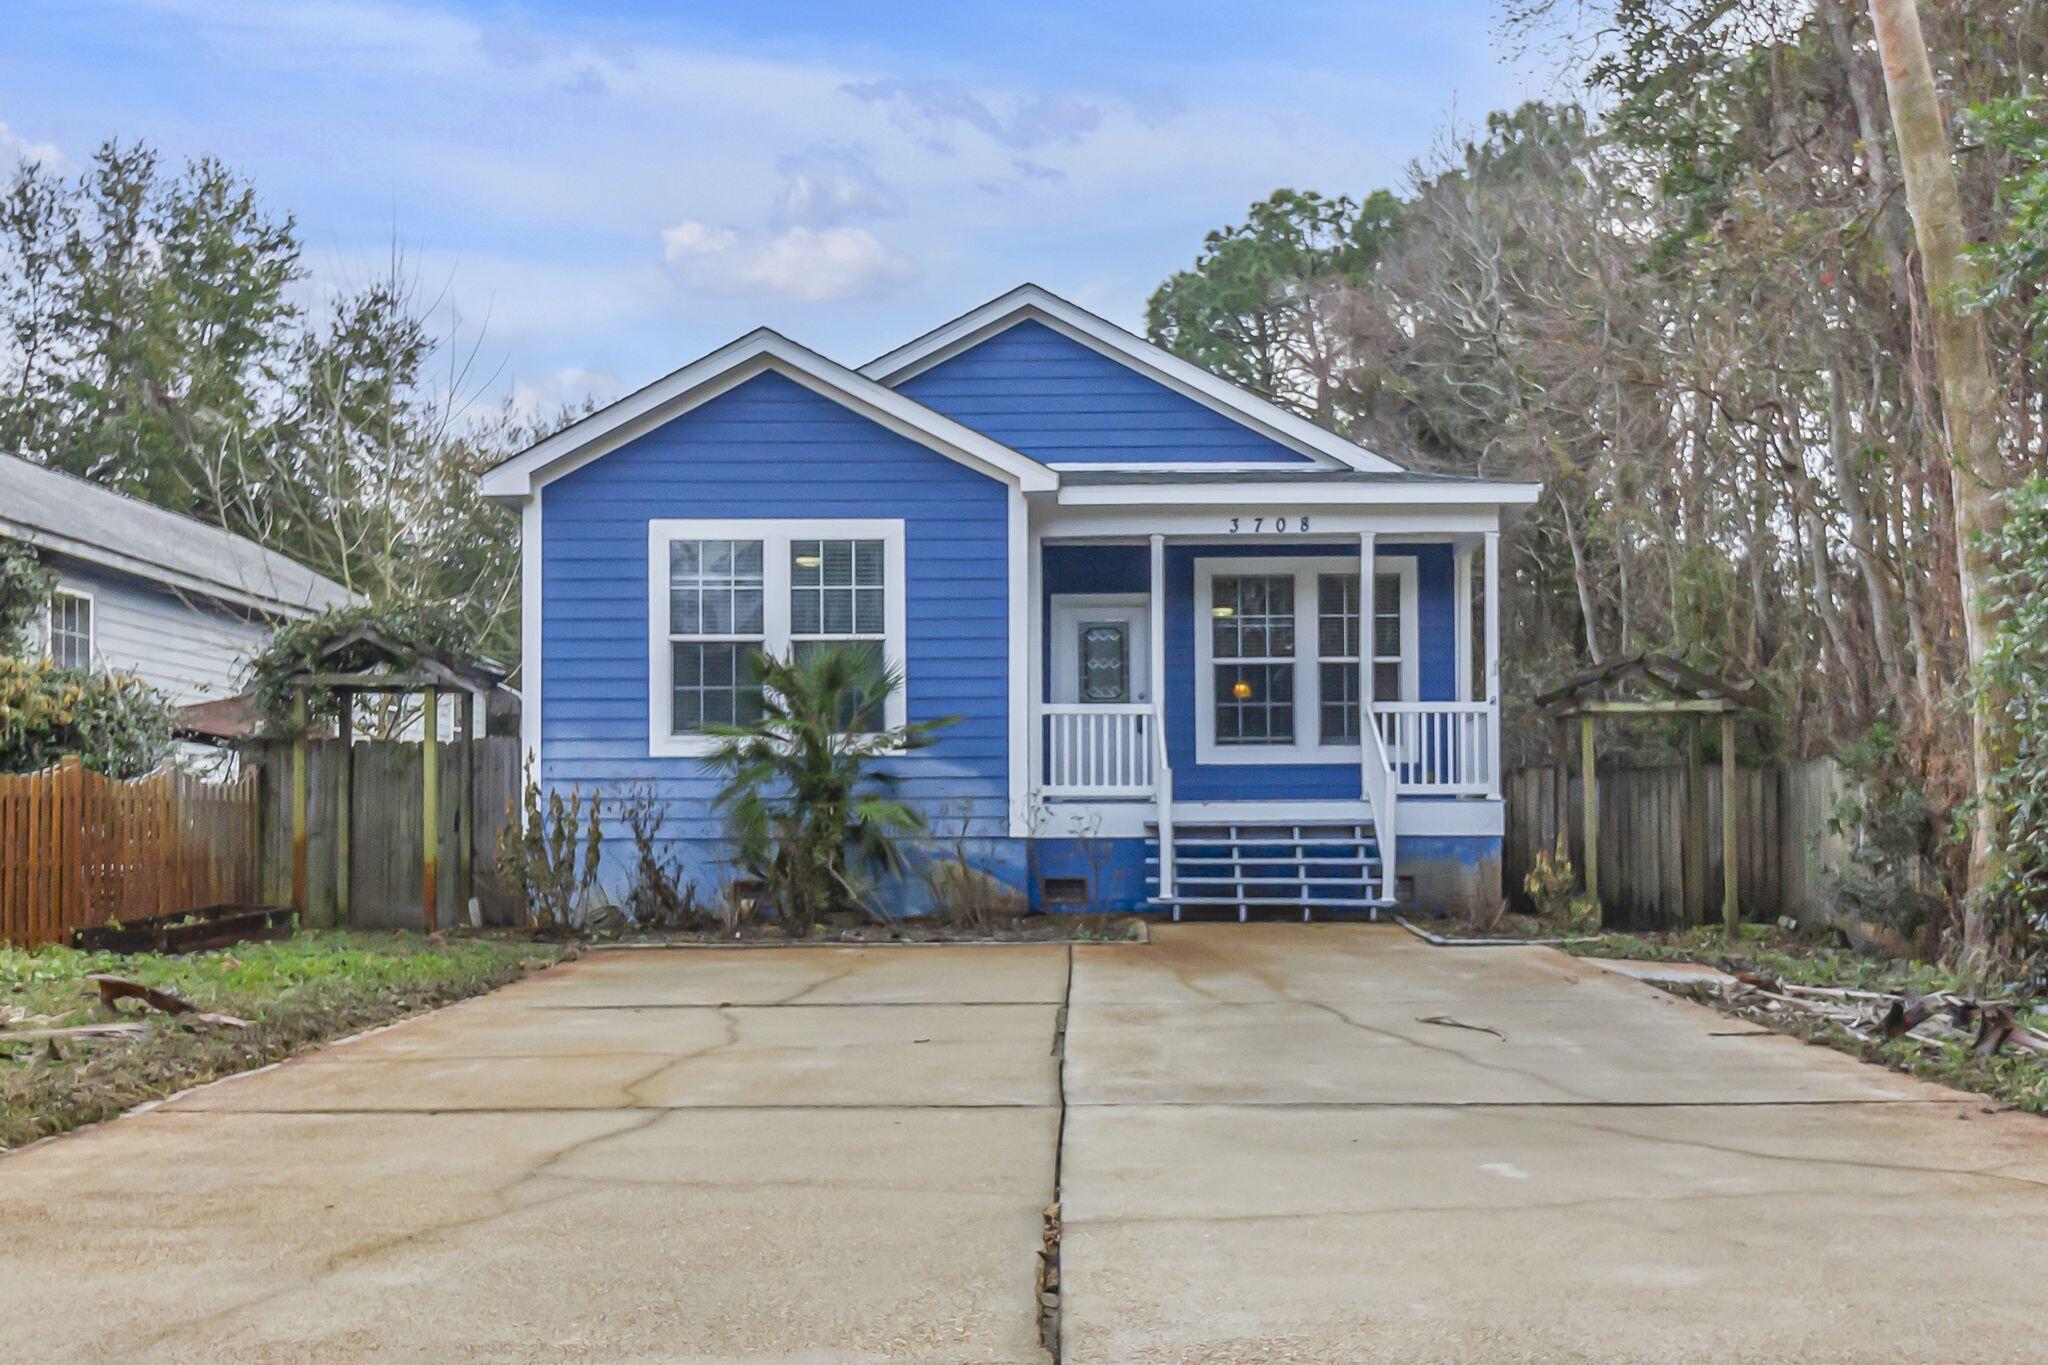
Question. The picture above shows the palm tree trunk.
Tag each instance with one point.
(1969, 398)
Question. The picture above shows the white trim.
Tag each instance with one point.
(1461, 598)
(1306, 746)
(1460, 817)
(92, 624)
(755, 353)
(1177, 466)
(1030, 302)
(1134, 608)
(1286, 499)
(775, 535)
(1131, 525)
(1025, 815)
(530, 569)
(1023, 593)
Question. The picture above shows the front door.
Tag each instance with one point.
(1100, 649)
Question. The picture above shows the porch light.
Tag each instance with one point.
(1241, 690)
(1222, 611)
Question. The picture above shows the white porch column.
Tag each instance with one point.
(1162, 775)
(1367, 548)
(1462, 595)
(1493, 662)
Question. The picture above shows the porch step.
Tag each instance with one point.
(1271, 865)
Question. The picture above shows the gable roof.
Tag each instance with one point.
(66, 515)
(758, 352)
(1030, 301)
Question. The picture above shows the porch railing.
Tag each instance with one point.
(1104, 751)
(1445, 748)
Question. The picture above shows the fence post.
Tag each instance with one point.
(344, 810)
(1591, 783)
(430, 862)
(1731, 913)
(299, 801)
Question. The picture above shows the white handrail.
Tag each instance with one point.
(1162, 796)
(1446, 748)
(1382, 793)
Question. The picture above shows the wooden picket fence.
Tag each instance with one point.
(1785, 848)
(79, 849)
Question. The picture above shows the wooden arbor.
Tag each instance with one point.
(1657, 685)
(365, 659)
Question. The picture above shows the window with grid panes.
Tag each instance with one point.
(717, 625)
(1252, 656)
(836, 600)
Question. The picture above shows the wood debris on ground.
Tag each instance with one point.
(1935, 1019)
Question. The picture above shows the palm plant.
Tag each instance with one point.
(811, 814)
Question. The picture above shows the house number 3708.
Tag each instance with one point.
(1256, 525)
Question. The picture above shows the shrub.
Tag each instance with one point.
(115, 724)
(808, 808)
(2015, 680)
(25, 587)
(1552, 883)
(548, 859)
(659, 898)
(962, 894)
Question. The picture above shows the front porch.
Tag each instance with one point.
(1219, 686)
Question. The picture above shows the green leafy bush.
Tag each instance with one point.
(25, 587)
(2016, 680)
(115, 724)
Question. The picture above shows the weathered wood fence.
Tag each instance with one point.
(1649, 837)
(385, 832)
(79, 849)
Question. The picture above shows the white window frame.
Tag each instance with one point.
(92, 624)
(1306, 746)
(775, 535)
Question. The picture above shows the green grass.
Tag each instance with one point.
(1773, 952)
(296, 993)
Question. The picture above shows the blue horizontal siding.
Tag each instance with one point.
(1436, 677)
(770, 448)
(1056, 400)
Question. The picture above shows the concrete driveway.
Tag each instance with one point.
(845, 1154)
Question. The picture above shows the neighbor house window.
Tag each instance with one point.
(71, 630)
(1252, 657)
(1279, 654)
(724, 592)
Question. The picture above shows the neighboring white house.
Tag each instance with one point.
(143, 590)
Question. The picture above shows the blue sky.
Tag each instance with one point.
(603, 191)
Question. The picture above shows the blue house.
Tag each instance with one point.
(1143, 589)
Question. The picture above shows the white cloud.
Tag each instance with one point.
(14, 148)
(806, 264)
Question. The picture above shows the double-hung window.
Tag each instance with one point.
(1337, 640)
(722, 593)
(1252, 658)
(71, 630)
(717, 626)
(1278, 655)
